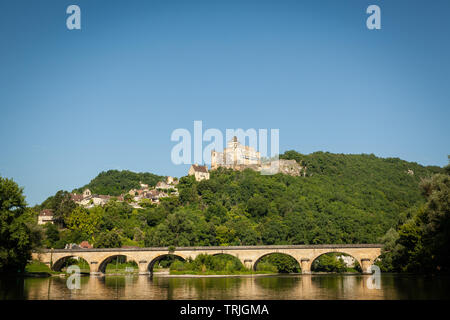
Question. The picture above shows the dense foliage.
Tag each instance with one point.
(421, 240)
(278, 262)
(115, 182)
(333, 262)
(61, 205)
(18, 232)
(204, 263)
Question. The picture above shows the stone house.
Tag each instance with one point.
(199, 172)
(45, 216)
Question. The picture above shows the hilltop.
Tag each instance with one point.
(115, 182)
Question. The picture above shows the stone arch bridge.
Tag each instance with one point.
(145, 258)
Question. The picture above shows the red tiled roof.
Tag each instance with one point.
(76, 197)
(200, 168)
(85, 245)
(46, 213)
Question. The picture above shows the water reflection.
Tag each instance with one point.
(246, 287)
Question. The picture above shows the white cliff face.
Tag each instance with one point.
(348, 260)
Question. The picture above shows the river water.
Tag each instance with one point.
(277, 287)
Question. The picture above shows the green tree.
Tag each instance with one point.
(423, 242)
(84, 221)
(16, 238)
(51, 235)
(108, 239)
(61, 204)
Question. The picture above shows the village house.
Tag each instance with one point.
(172, 180)
(199, 172)
(88, 200)
(164, 185)
(143, 186)
(161, 190)
(45, 216)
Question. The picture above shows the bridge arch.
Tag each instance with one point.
(102, 266)
(281, 253)
(62, 262)
(162, 256)
(357, 260)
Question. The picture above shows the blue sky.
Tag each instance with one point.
(108, 96)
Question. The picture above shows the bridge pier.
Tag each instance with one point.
(143, 267)
(365, 265)
(305, 264)
(94, 268)
(248, 263)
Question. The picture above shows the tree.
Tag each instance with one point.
(257, 205)
(16, 238)
(273, 230)
(108, 239)
(84, 221)
(61, 204)
(51, 235)
(423, 243)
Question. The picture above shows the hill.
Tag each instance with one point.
(115, 182)
(342, 199)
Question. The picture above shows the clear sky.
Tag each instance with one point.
(108, 96)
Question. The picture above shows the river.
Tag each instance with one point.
(277, 287)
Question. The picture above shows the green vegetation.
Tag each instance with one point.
(18, 230)
(333, 262)
(421, 240)
(278, 263)
(37, 267)
(83, 264)
(121, 265)
(205, 264)
(115, 182)
(61, 204)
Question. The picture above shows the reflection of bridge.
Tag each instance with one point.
(145, 258)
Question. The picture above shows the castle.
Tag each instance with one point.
(239, 157)
(236, 156)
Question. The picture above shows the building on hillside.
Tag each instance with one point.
(199, 172)
(164, 185)
(143, 186)
(86, 193)
(89, 200)
(45, 216)
(235, 156)
(239, 157)
(76, 197)
(172, 180)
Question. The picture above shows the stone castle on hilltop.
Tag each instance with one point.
(239, 157)
(236, 156)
